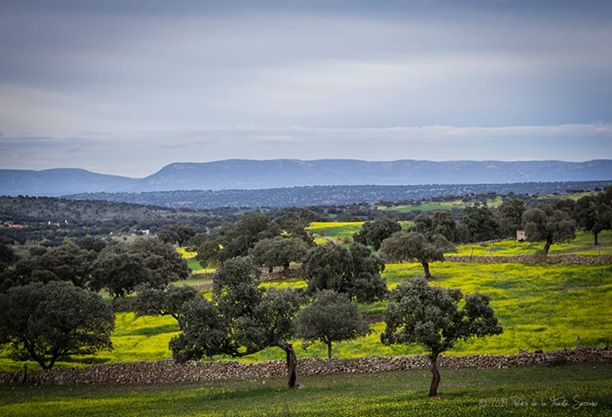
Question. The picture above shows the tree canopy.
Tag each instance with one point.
(241, 319)
(46, 322)
(374, 232)
(279, 251)
(432, 317)
(355, 271)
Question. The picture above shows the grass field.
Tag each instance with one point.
(581, 245)
(540, 306)
(338, 232)
(529, 391)
(438, 205)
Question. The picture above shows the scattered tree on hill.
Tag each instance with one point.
(66, 262)
(547, 224)
(46, 322)
(211, 251)
(406, 246)
(279, 251)
(167, 302)
(240, 320)
(355, 272)
(594, 214)
(374, 232)
(331, 317)
(480, 224)
(431, 316)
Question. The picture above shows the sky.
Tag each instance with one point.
(126, 87)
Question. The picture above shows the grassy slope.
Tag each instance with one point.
(540, 306)
(464, 392)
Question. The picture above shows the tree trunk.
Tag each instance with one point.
(426, 268)
(596, 238)
(329, 350)
(547, 247)
(270, 269)
(291, 364)
(435, 377)
(286, 270)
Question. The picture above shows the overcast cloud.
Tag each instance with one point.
(127, 86)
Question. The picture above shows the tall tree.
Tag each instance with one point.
(407, 246)
(374, 232)
(240, 320)
(547, 224)
(432, 316)
(331, 317)
(46, 322)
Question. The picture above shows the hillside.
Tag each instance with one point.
(279, 173)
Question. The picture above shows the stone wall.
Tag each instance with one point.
(168, 371)
(530, 259)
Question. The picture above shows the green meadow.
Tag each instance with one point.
(540, 306)
(572, 390)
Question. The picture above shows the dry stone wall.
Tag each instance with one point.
(530, 259)
(168, 371)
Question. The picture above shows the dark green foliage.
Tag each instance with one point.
(91, 243)
(279, 251)
(331, 317)
(166, 302)
(406, 246)
(176, 234)
(45, 322)
(161, 259)
(594, 213)
(355, 272)
(510, 215)
(432, 317)
(241, 319)
(480, 224)
(7, 256)
(548, 224)
(374, 232)
(440, 223)
(119, 271)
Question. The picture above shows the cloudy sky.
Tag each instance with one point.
(125, 86)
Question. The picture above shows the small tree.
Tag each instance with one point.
(279, 251)
(510, 215)
(332, 317)
(431, 316)
(46, 322)
(547, 224)
(374, 232)
(406, 246)
(167, 302)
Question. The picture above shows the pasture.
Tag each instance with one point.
(540, 306)
(573, 390)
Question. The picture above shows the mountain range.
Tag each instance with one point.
(279, 173)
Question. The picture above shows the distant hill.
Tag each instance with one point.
(252, 174)
(331, 194)
(54, 182)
